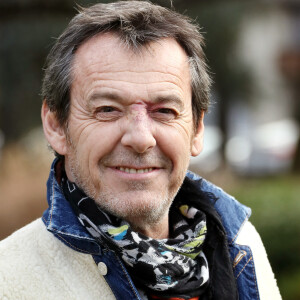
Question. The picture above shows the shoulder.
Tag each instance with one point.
(245, 245)
(266, 281)
(27, 244)
(23, 260)
(22, 240)
(34, 264)
(16, 252)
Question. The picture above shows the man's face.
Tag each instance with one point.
(130, 130)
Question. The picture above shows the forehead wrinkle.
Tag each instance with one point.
(117, 93)
(109, 76)
(146, 84)
(171, 74)
(112, 43)
(101, 84)
(109, 68)
(154, 99)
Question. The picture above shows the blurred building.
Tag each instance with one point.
(262, 125)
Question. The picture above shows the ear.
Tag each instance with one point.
(53, 131)
(197, 142)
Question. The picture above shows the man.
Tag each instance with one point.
(125, 92)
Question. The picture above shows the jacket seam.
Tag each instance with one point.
(244, 267)
(254, 276)
(107, 281)
(128, 279)
(241, 226)
(71, 235)
(52, 201)
(71, 246)
(250, 260)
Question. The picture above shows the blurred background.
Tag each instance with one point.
(252, 147)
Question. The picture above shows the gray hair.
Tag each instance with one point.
(136, 23)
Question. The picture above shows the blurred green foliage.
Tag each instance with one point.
(276, 213)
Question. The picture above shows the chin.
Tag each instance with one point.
(131, 209)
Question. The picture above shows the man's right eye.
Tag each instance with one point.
(106, 109)
(107, 113)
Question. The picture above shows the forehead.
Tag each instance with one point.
(107, 52)
(155, 71)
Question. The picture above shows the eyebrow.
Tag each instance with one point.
(160, 99)
(171, 98)
(104, 95)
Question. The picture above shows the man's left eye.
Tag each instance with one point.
(166, 111)
(165, 114)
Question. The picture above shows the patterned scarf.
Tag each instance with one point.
(166, 268)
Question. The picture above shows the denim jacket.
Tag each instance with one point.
(63, 223)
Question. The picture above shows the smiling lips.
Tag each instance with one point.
(134, 171)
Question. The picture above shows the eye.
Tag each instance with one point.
(166, 111)
(165, 114)
(106, 109)
(107, 113)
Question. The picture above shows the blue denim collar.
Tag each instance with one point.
(63, 223)
(232, 213)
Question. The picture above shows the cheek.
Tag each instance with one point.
(98, 140)
(176, 145)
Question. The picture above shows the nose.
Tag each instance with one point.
(138, 133)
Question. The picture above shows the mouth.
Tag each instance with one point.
(135, 171)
